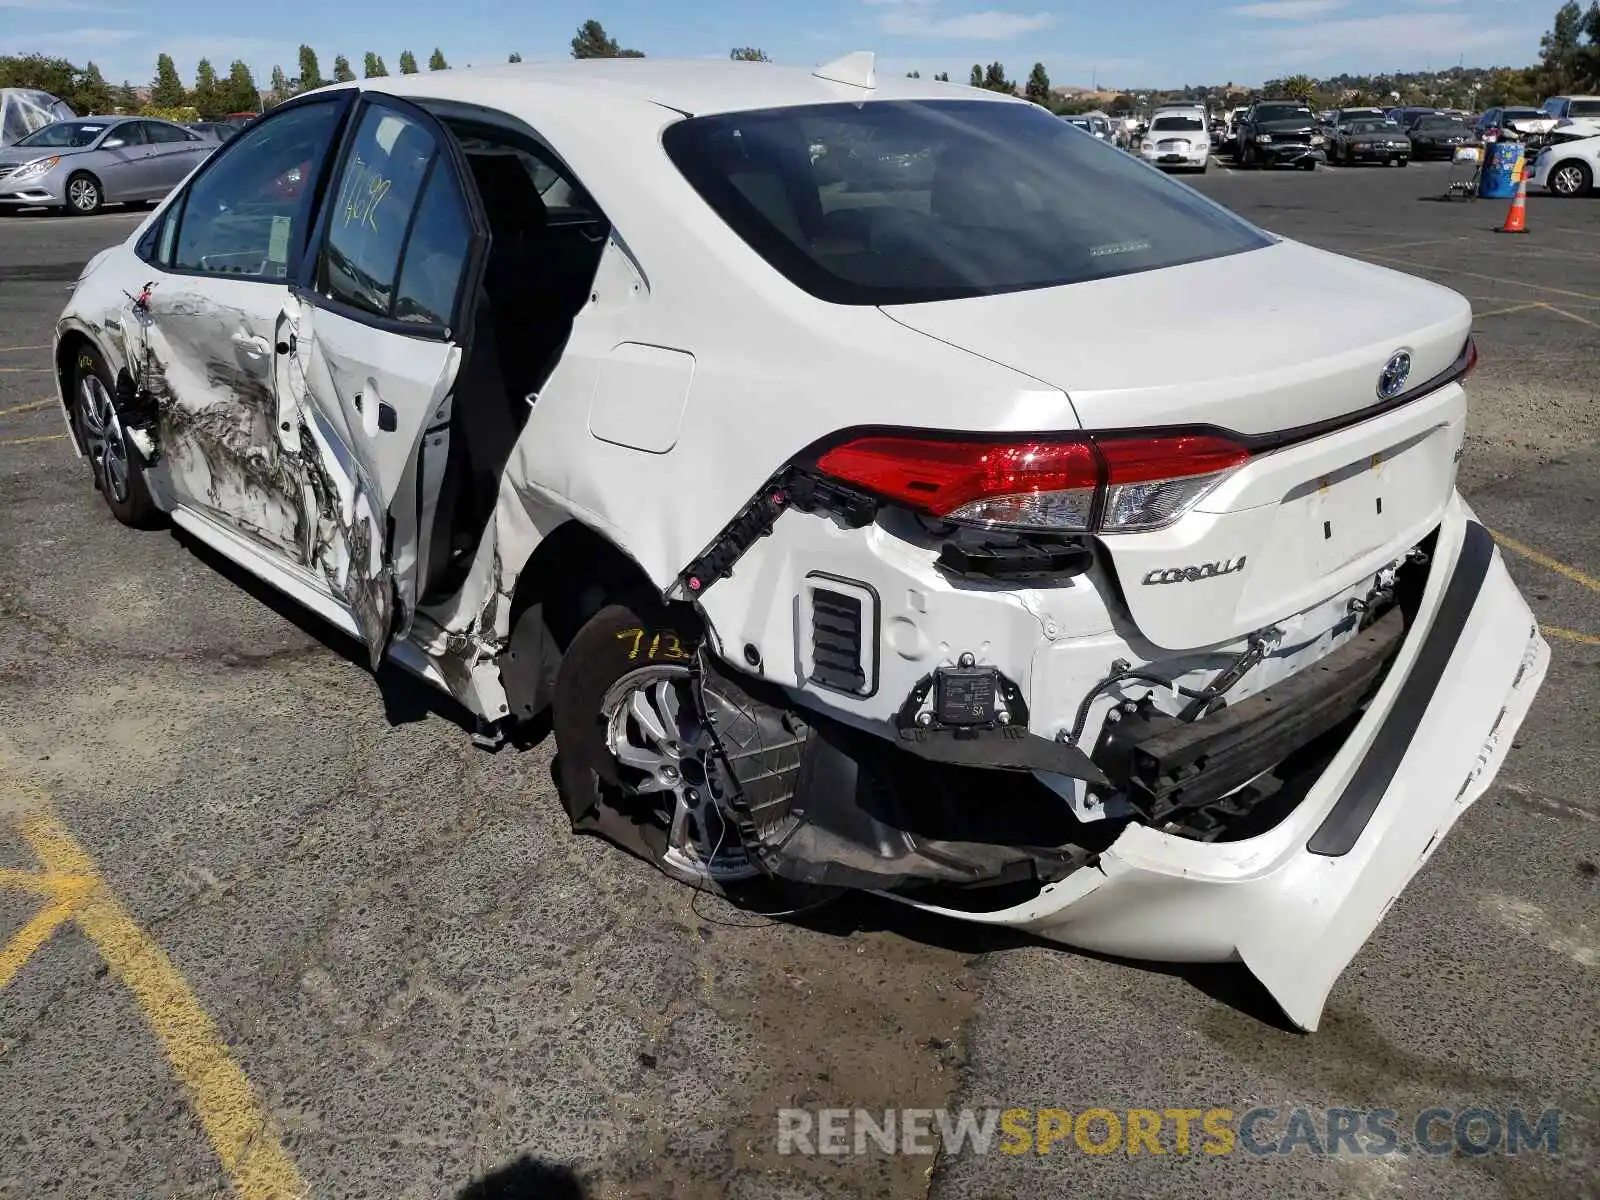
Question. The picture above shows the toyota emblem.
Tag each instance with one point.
(1395, 373)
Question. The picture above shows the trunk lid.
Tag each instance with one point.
(1256, 343)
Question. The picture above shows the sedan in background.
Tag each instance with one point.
(1370, 141)
(1568, 168)
(76, 166)
(1439, 137)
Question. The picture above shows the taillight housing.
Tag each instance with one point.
(1075, 483)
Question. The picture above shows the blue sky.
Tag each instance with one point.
(1154, 43)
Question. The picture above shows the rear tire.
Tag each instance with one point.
(118, 472)
(84, 194)
(624, 681)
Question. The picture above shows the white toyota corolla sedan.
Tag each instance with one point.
(778, 437)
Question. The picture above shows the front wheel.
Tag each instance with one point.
(1570, 179)
(118, 473)
(84, 196)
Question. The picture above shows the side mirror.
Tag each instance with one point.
(113, 143)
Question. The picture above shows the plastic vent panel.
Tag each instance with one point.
(836, 641)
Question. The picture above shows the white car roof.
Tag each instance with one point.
(694, 86)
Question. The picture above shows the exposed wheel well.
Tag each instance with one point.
(573, 574)
(67, 350)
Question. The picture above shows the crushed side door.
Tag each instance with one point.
(377, 332)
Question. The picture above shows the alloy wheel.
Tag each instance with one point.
(83, 195)
(104, 442)
(655, 732)
(1567, 180)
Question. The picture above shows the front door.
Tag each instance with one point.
(378, 330)
(129, 170)
(221, 257)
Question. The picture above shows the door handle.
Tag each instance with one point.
(388, 419)
(252, 347)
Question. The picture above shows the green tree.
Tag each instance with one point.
(54, 75)
(167, 90)
(408, 63)
(239, 93)
(125, 98)
(515, 57)
(373, 67)
(282, 88)
(994, 78)
(310, 72)
(1296, 87)
(748, 54)
(976, 78)
(592, 41)
(913, 74)
(91, 93)
(341, 69)
(942, 77)
(1037, 88)
(436, 61)
(206, 97)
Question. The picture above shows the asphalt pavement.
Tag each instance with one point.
(268, 925)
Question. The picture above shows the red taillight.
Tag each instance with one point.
(1115, 484)
(1470, 354)
(1141, 460)
(939, 477)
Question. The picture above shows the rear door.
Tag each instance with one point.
(378, 330)
(174, 152)
(125, 168)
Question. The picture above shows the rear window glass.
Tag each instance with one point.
(1584, 108)
(898, 202)
(1175, 124)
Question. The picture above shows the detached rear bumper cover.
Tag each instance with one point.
(1296, 903)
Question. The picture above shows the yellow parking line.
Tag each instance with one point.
(1570, 635)
(236, 1125)
(29, 407)
(27, 370)
(1572, 316)
(1544, 560)
(1500, 312)
(32, 935)
(48, 437)
(1406, 245)
(1538, 287)
(19, 349)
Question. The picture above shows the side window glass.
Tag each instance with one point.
(130, 133)
(164, 133)
(378, 186)
(243, 214)
(436, 256)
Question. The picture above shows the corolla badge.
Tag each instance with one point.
(1392, 381)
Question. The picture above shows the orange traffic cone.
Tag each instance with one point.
(1517, 215)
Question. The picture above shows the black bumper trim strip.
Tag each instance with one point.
(1340, 829)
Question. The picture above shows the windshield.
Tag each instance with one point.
(66, 134)
(1521, 114)
(1441, 123)
(898, 202)
(1584, 108)
(1371, 127)
(1170, 124)
(1281, 112)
